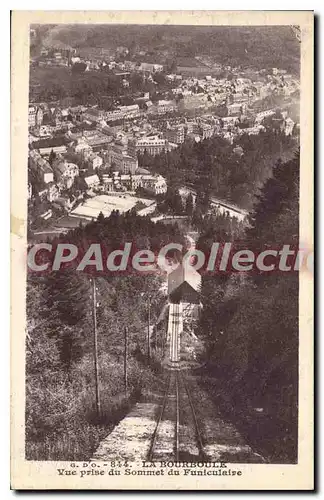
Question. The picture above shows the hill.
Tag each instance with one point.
(255, 46)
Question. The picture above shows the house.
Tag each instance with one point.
(252, 130)
(47, 214)
(35, 116)
(45, 131)
(131, 111)
(62, 203)
(235, 109)
(108, 182)
(53, 192)
(184, 284)
(155, 184)
(55, 149)
(39, 116)
(289, 126)
(114, 115)
(129, 164)
(82, 147)
(56, 115)
(192, 101)
(93, 115)
(92, 181)
(30, 191)
(95, 161)
(96, 140)
(263, 114)
(175, 134)
(229, 122)
(41, 167)
(150, 67)
(203, 130)
(32, 116)
(163, 107)
(65, 172)
(65, 115)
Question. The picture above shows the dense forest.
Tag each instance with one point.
(61, 421)
(213, 165)
(90, 88)
(250, 321)
(253, 46)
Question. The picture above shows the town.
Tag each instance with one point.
(85, 158)
(163, 186)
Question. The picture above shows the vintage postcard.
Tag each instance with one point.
(162, 250)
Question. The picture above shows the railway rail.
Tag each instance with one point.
(177, 435)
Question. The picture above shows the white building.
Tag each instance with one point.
(65, 172)
(92, 181)
(156, 184)
(152, 145)
(95, 161)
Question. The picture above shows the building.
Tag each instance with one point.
(45, 131)
(96, 139)
(230, 122)
(193, 101)
(184, 284)
(204, 130)
(252, 130)
(35, 116)
(30, 191)
(150, 67)
(55, 149)
(41, 167)
(154, 184)
(93, 115)
(120, 159)
(289, 126)
(52, 193)
(62, 203)
(152, 145)
(83, 147)
(163, 107)
(236, 109)
(65, 172)
(263, 114)
(92, 181)
(175, 134)
(56, 116)
(116, 114)
(131, 111)
(95, 161)
(129, 164)
(108, 183)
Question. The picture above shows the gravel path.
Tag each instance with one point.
(131, 438)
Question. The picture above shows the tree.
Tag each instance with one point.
(52, 157)
(189, 205)
(250, 321)
(67, 297)
(79, 67)
(100, 217)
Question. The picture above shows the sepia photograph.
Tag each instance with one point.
(163, 247)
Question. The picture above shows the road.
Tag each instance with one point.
(222, 205)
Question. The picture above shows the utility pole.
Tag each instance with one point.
(95, 348)
(125, 360)
(148, 331)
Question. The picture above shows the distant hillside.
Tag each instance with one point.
(256, 46)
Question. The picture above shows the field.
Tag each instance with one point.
(106, 204)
